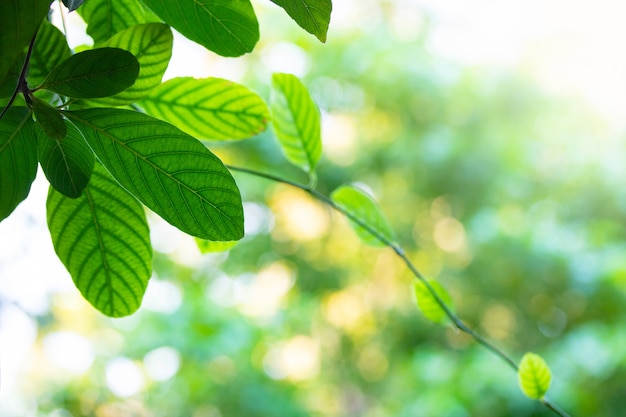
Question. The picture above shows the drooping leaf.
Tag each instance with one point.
(67, 163)
(103, 240)
(152, 44)
(49, 119)
(311, 15)
(427, 303)
(296, 120)
(534, 376)
(210, 108)
(18, 158)
(209, 246)
(19, 20)
(95, 73)
(167, 170)
(73, 4)
(50, 49)
(228, 28)
(362, 206)
(106, 18)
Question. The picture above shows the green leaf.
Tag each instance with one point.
(228, 28)
(427, 303)
(152, 44)
(312, 15)
(363, 207)
(67, 163)
(296, 121)
(208, 246)
(50, 49)
(49, 118)
(18, 158)
(103, 240)
(210, 108)
(9, 85)
(73, 4)
(534, 376)
(19, 20)
(105, 18)
(95, 73)
(167, 170)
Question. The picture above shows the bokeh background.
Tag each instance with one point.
(492, 135)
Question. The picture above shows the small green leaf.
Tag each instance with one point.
(363, 207)
(296, 121)
(312, 15)
(427, 304)
(210, 108)
(228, 28)
(73, 4)
(534, 376)
(18, 158)
(50, 49)
(95, 73)
(152, 44)
(49, 119)
(105, 18)
(167, 170)
(209, 246)
(19, 20)
(67, 163)
(103, 240)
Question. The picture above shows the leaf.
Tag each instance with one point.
(534, 376)
(103, 240)
(50, 49)
(105, 18)
(9, 85)
(296, 121)
(210, 108)
(152, 44)
(49, 119)
(167, 170)
(67, 163)
(363, 207)
(208, 246)
(427, 303)
(73, 4)
(312, 15)
(95, 73)
(19, 20)
(228, 28)
(18, 158)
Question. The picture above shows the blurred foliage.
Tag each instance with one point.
(509, 197)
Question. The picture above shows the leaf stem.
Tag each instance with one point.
(22, 86)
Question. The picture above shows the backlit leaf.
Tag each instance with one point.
(427, 304)
(18, 158)
(228, 28)
(49, 119)
(296, 120)
(363, 207)
(534, 376)
(50, 49)
(312, 15)
(95, 73)
(152, 44)
(105, 18)
(167, 170)
(209, 246)
(103, 240)
(210, 108)
(67, 163)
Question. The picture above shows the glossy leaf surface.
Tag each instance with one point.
(103, 240)
(73, 4)
(49, 119)
(296, 120)
(534, 376)
(427, 303)
(67, 163)
(210, 108)
(362, 206)
(18, 158)
(50, 49)
(228, 28)
(167, 170)
(106, 18)
(312, 15)
(94, 73)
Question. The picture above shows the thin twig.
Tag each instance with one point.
(22, 86)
